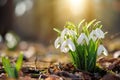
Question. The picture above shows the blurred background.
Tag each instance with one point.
(34, 20)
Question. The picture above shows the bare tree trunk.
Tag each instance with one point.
(6, 16)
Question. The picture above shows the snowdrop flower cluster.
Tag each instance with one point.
(85, 44)
(67, 36)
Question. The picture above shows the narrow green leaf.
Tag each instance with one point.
(57, 30)
(8, 67)
(19, 62)
(6, 62)
(91, 55)
(81, 22)
(97, 23)
(100, 26)
(90, 23)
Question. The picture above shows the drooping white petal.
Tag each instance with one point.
(101, 49)
(64, 47)
(71, 45)
(93, 35)
(67, 45)
(82, 38)
(100, 34)
(57, 42)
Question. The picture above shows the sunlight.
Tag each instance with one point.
(77, 6)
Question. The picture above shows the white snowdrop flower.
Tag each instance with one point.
(82, 38)
(101, 49)
(57, 42)
(64, 32)
(99, 33)
(93, 35)
(67, 32)
(72, 33)
(67, 45)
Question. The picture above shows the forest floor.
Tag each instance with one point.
(47, 63)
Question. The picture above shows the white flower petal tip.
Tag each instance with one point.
(57, 42)
(64, 48)
(101, 49)
(100, 34)
(82, 38)
(71, 45)
(67, 45)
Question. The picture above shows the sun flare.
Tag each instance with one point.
(77, 6)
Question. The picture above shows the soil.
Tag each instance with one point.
(48, 64)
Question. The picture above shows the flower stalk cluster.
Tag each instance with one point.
(83, 42)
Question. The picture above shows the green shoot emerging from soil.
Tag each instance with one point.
(83, 42)
(12, 70)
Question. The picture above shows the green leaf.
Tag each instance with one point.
(81, 22)
(19, 62)
(14, 72)
(6, 64)
(97, 23)
(70, 25)
(91, 54)
(100, 26)
(57, 30)
(8, 68)
(90, 23)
